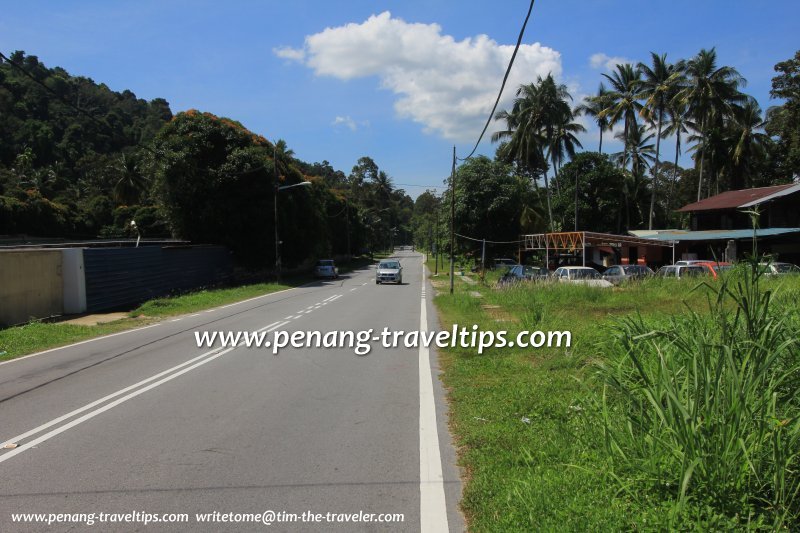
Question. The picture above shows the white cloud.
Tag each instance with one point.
(345, 121)
(287, 52)
(600, 60)
(448, 86)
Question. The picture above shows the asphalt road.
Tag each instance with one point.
(144, 421)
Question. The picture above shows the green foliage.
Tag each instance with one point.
(705, 407)
(600, 205)
(783, 121)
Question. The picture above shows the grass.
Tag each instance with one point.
(528, 422)
(37, 336)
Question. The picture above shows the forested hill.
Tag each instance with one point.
(68, 147)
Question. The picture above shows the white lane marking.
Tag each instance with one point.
(364, 283)
(176, 320)
(194, 315)
(273, 326)
(432, 505)
(104, 399)
(329, 298)
(270, 325)
(105, 408)
(290, 317)
(354, 288)
(146, 327)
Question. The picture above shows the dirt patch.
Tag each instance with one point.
(93, 320)
(498, 314)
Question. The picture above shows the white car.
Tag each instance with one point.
(581, 275)
(778, 269)
(326, 269)
(681, 271)
(389, 271)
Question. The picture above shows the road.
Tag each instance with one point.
(145, 421)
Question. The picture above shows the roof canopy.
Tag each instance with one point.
(577, 240)
(741, 199)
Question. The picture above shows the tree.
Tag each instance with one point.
(623, 101)
(657, 87)
(640, 154)
(597, 182)
(710, 93)
(783, 122)
(593, 106)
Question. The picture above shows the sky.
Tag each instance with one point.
(402, 82)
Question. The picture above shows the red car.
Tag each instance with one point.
(715, 267)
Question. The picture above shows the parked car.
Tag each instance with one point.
(582, 275)
(503, 262)
(389, 271)
(779, 269)
(519, 273)
(690, 262)
(326, 268)
(618, 273)
(681, 271)
(715, 267)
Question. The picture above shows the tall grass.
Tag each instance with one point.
(703, 407)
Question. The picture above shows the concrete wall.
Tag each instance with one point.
(31, 285)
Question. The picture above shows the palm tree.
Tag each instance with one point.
(748, 143)
(678, 126)
(593, 106)
(639, 154)
(657, 86)
(710, 95)
(131, 183)
(623, 101)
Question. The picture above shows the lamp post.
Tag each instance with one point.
(277, 240)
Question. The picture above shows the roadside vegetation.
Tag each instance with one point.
(675, 408)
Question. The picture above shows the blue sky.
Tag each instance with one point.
(399, 81)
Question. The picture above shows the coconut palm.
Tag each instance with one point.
(640, 154)
(593, 106)
(131, 183)
(748, 143)
(623, 101)
(657, 87)
(710, 93)
(678, 126)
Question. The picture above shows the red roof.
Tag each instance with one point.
(735, 199)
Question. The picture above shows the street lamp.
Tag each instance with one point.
(277, 240)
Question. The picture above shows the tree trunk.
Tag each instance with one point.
(655, 169)
(702, 162)
(600, 150)
(674, 172)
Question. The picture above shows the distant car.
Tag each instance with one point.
(519, 273)
(715, 268)
(681, 271)
(581, 275)
(618, 273)
(389, 271)
(503, 262)
(779, 269)
(326, 268)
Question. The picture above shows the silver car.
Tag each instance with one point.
(326, 268)
(618, 273)
(389, 271)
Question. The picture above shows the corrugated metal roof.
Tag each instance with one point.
(719, 234)
(742, 198)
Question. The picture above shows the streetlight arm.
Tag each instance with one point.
(301, 184)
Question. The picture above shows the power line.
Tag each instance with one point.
(486, 240)
(505, 78)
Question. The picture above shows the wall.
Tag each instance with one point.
(31, 285)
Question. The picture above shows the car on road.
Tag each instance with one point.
(389, 271)
(779, 269)
(580, 275)
(681, 271)
(616, 274)
(519, 273)
(326, 268)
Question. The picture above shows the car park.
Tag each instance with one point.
(681, 271)
(779, 269)
(389, 271)
(715, 268)
(520, 273)
(616, 274)
(326, 268)
(580, 275)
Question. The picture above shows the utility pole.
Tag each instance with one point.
(436, 256)
(452, 219)
(277, 241)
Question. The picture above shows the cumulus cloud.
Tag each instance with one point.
(602, 61)
(287, 52)
(345, 121)
(448, 86)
